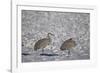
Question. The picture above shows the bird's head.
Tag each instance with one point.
(50, 34)
(71, 39)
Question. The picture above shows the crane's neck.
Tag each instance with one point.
(49, 38)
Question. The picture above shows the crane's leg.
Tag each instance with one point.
(69, 54)
(51, 49)
(42, 50)
(63, 53)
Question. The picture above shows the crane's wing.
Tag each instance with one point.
(42, 43)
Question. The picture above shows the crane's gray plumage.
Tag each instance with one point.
(42, 43)
(67, 45)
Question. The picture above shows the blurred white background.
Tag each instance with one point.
(5, 34)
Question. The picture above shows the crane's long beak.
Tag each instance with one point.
(52, 34)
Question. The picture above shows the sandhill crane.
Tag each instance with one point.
(42, 43)
(67, 45)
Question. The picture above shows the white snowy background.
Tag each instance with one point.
(64, 25)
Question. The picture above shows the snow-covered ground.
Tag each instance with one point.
(64, 25)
